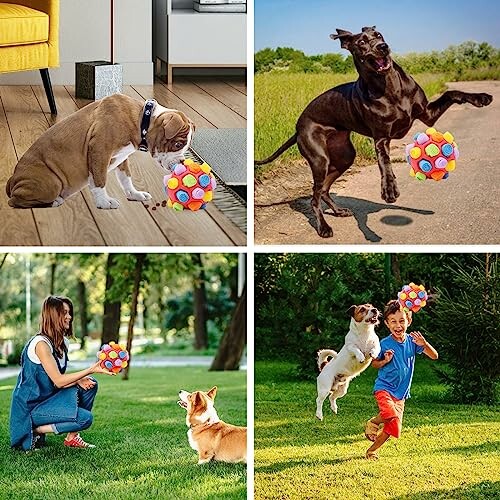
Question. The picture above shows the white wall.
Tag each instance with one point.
(84, 35)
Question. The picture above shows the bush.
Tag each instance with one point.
(14, 358)
(468, 319)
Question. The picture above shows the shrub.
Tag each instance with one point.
(468, 321)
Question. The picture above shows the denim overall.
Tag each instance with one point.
(37, 401)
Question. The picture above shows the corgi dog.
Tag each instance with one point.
(212, 438)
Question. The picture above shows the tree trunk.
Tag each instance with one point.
(139, 265)
(233, 341)
(82, 307)
(53, 267)
(111, 317)
(200, 305)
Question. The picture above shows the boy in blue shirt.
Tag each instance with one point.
(395, 364)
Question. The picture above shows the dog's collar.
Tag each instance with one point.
(146, 119)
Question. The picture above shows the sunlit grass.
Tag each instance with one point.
(445, 451)
(142, 447)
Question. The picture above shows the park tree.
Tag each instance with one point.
(112, 304)
(200, 303)
(233, 341)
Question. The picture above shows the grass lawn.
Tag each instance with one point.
(142, 447)
(445, 450)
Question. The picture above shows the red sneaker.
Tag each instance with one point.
(77, 442)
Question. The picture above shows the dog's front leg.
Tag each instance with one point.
(98, 163)
(356, 353)
(125, 180)
(436, 108)
(390, 191)
(205, 456)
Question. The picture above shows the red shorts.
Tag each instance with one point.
(391, 410)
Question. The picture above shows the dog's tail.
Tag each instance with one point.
(278, 152)
(325, 356)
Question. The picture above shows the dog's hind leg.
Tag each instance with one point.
(339, 391)
(341, 154)
(312, 146)
(322, 395)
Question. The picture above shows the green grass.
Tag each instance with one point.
(280, 98)
(142, 447)
(445, 450)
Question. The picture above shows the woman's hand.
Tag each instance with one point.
(86, 383)
(97, 368)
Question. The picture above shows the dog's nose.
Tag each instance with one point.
(383, 47)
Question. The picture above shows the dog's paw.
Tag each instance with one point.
(360, 357)
(58, 201)
(325, 231)
(334, 408)
(390, 191)
(319, 416)
(107, 203)
(138, 196)
(343, 212)
(481, 99)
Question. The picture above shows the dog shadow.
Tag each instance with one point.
(361, 210)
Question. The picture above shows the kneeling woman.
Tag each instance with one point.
(46, 399)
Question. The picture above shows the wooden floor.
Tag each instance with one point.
(24, 116)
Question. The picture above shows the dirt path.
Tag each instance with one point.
(463, 209)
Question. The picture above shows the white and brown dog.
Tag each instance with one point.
(361, 346)
(81, 149)
(212, 438)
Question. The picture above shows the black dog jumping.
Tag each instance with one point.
(382, 104)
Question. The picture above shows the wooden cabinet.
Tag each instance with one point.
(186, 38)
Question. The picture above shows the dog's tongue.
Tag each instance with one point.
(380, 63)
(182, 404)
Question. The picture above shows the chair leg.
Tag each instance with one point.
(48, 90)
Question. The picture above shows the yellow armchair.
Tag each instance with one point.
(29, 39)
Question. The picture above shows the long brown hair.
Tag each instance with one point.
(52, 321)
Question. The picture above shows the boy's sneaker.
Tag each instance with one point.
(77, 442)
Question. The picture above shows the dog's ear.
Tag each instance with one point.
(212, 392)
(344, 36)
(368, 28)
(174, 123)
(351, 310)
(166, 128)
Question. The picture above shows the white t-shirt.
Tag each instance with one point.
(40, 338)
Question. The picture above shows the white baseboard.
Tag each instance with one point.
(140, 73)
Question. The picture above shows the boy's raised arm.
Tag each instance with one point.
(419, 339)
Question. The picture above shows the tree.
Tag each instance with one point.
(82, 303)
(468, 320)
(140, 259)
(233, 342)
(200, 304)
(112, 306)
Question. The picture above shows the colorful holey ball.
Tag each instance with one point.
(432, 155)
(412, 297)
(114, 357)
(190, 185)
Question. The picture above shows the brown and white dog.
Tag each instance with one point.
(81, 149)
(361, 346)
(212, 438)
